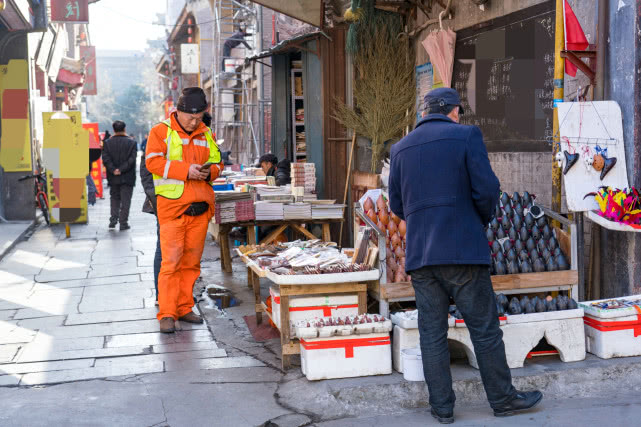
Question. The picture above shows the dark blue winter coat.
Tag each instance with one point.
(442, 184)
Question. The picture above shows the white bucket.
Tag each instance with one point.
(230, 66)
(412, 364)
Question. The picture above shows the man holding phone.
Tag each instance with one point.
(184, 159)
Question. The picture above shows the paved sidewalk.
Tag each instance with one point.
(83, 308)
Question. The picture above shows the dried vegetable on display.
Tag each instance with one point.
(342, 326)
(302, 257)
(525, 305)
(616, 205)
(521, 239)
(395, 229)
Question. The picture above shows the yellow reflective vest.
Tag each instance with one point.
(173, 188)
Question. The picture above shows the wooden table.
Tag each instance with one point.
(297, 225)
(290, 345)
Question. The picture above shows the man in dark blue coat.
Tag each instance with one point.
(441, 183)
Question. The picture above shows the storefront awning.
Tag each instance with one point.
(309, 11)
(286, 45)
(15, 15)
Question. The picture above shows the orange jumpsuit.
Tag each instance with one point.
(182, 237)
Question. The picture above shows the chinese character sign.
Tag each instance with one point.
(189, 58)
(70, 11)
(88, 54)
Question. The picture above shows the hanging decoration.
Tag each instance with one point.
(616, 205)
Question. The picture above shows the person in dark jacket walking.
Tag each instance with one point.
(119, 157)
(442, 184)
(149, 206)
(237, 38)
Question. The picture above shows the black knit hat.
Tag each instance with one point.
(192, 101)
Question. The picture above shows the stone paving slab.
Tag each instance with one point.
(7, 314)
(40, 378)
(130, 289)
(9, 380)
(104, 303)
(115, 328)
(24, 368)
(83, 354)
(8, 352)
(158, 338)
(57, 310)
(163, 357)
(114, 279)
(39, 323)
(178, 347)
(223, 363)
(111, 316)
(67, 274)
(46, 343)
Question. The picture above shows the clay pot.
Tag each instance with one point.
(368, 205)
(381, 204)
(399, 276)
(402, 228)
(598, 163)
(399, 252)
(392, 227)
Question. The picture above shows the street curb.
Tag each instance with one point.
(20, 238)
(334, 399)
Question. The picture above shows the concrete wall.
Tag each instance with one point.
(16, 198)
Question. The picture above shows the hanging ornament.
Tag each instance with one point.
(602, 162)
(570, 160)
(559, 159)
(607, 167)
(598, 162)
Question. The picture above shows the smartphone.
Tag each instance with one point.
(206, 167)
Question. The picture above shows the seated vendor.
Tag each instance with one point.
(271, 167)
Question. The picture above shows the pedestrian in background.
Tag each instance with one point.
(150, 206)
(119, 158)
(441, 182)
(184, 160)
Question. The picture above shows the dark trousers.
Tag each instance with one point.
(471, 288)
(91, 190)
(226, 54)
(120, 202)
(157, 258)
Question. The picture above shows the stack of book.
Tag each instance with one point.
(304, 175)
(268, 211)
(264, 192)
(297, 211)
(323, 211)
(225, 212)
(233, 206)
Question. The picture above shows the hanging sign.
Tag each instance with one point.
(189, 58)
(76, 11)
(88, 54)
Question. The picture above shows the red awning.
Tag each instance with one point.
(70, 78)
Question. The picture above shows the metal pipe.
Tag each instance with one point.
(261, 86)
(601, 44)
(559, 76)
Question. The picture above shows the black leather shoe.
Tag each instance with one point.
(112, 224)
(523, 401)
(124, 227)
(443, 419)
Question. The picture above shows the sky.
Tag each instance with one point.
(124, 24)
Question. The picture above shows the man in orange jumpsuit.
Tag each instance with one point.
(184, 159)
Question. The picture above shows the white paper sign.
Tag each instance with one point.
(587, 128)
(189, 58)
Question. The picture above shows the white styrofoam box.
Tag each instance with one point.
(548, 315)
(310, 307)
(346, 357)
(609, 313)
(406, 320)
(460, 323)
(403, 339)
(612, 333)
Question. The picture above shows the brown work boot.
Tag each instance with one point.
(167, 325)
(191, 317)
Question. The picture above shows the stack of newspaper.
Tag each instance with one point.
(323, 211)
(298, 211)
(266, 211)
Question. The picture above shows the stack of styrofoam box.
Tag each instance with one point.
(310, 307)
(304, 175)
(612, 332)
(521, 333)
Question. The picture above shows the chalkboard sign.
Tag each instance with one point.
(504, 71)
